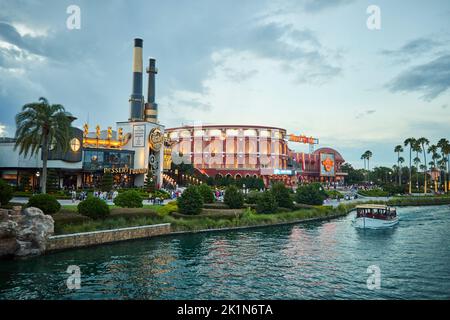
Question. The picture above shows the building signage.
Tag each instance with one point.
(155, 139)
(283, 172)
(139, 135)
(303, 139)
(327, 164)
(125, 170)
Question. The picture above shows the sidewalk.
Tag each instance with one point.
(70, 203)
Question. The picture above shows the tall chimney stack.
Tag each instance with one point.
(151, 108)
(136, 98)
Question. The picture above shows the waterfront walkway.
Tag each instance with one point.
(68, 202)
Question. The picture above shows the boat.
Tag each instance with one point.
(375, 216)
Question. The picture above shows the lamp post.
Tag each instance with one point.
(38, 174)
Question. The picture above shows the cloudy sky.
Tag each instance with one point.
(310, 66)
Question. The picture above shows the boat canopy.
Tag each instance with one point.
(372, 206)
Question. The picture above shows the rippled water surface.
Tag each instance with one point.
(326, 260)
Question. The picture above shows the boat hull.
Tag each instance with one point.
(370, 223)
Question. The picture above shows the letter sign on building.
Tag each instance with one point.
(139, 136)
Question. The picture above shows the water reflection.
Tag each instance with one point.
(304, 261)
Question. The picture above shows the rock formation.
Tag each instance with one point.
(24, 232)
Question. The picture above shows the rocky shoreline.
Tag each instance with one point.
(24, 232)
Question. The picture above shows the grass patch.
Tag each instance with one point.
(70, 222)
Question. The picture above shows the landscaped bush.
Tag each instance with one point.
(334, 194)
(47, 203)
(266, 203)
(6, 192)
(392, 189)
(282, 195)
(374, 193)
(94, 208)
(234, 198)
(168, 208)
(191, 201)
(252, 197)
(129, 199)
(312, 194)
(206, 192)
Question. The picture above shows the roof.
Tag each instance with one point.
(337, 155)
(372, 206)
(228, 126)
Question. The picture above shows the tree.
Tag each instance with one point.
(149, 183)
(107, 182)
(191, 201)
(233, 198)
(206, 193)
(312, 194)
(444, 145)
(282, 195)
(399, 149)
(424, 142)
(354, 176)
(6, 192)
(410, 142)
(366, 156)
(40, 124)
(417, 148)
(266, 203)
(435, 156)
(52, 181)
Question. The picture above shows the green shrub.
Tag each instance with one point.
(374, 193)
(107, 182)
(334, 194)
(206, 192)
(234, 198)
(94, 208)
(252, 197)
(168, 208)
(46, 202)
(392, 189)
(312, 194)
(191, 201)
(129, 199)
(6, 192)
(282, 195)
(266, 203)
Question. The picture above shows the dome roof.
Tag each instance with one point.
(337, 155)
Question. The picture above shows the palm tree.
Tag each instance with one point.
(417, 161)
(444, 145)
(410, 142)
(363, 157)
(435, 156)
(401, 160)
(368, 155)
(399, 149)
(40, 124)
(424, 142)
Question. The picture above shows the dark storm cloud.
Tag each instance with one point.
(430, 79)
(413, 48)
(90, 68)
(319, 5)
(299, 51)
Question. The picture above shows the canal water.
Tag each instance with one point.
(320, 260)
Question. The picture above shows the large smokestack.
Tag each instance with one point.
(151, 108)
(136, 98)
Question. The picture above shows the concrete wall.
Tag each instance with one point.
(107, 236)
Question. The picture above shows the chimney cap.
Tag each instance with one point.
(138, 42)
